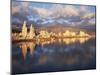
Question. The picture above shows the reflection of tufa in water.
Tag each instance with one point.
(31, 45)
(24, 47)
(73, 40)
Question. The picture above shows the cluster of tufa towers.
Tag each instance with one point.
(25, 34)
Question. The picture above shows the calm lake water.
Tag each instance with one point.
(58, 55)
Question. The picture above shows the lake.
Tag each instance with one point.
(57, 55)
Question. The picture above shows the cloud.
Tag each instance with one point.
(16, 8)
(71, 11)
(88, 16)
(25, 4)
(60, 10)
(20, 12)
(69, 14)
(57, 11)
(42, 12)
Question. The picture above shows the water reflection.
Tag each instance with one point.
(27, 46)
(31, 45)
(67, 54)
(73, 40)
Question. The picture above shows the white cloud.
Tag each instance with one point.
(88, 16)
(64, 10)
(71, 11)
(25, 4)
(57, 11)
(42, 12)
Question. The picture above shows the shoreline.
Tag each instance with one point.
(48, 39)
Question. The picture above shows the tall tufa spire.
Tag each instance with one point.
(24, 30)
(31, 32)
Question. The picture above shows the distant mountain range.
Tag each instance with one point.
(57, 28)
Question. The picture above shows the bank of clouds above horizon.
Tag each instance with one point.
(48, 13)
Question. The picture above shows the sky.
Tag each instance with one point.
(50, 13)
